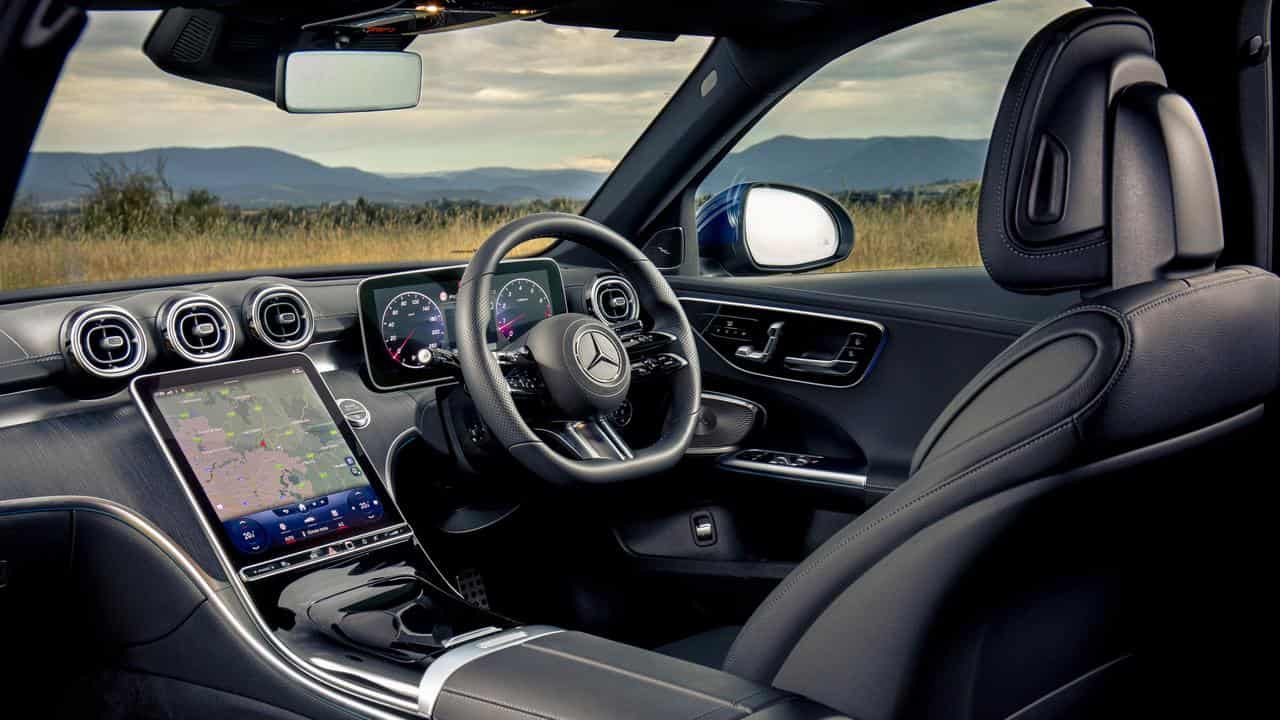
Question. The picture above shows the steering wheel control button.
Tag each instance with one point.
(661, 364)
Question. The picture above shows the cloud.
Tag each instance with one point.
(594, 163)
(529, 94)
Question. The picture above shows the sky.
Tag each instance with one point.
(529, 94)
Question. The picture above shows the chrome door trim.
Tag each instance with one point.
(871, 364)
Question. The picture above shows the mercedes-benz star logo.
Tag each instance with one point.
(598, 356)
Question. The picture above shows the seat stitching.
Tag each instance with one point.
(1006, 158)
(36, 360)
(499, 703)
(1192, 290)
(1014, 349)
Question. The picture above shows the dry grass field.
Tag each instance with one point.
(120, 236)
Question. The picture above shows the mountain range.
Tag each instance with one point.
(261, 177)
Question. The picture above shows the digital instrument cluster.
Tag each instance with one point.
(404, 316)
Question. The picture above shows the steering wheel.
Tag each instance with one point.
(579, 364)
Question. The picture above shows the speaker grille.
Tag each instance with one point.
(193, 42)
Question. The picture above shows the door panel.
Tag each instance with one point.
(940, 328)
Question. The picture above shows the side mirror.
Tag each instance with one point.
(342, 81)
(761, 228)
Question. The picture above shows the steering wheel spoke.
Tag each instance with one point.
(592, 439)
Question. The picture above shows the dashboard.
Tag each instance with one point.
(404, 316)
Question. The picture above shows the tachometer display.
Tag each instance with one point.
(518, 306)
(412, 323)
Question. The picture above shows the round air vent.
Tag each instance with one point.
(104, 341)
(198, 328)
(613, 300)
(279, 316)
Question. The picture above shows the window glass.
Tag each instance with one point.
(896, 132)
(137, 173)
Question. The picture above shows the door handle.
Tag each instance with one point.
(820, 366)
(764, 355)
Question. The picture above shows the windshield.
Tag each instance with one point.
(136, 173)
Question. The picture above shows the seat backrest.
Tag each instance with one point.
(1006, 574)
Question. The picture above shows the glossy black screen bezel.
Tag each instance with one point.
(386, 374)
(144, 388)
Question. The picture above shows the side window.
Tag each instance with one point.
(892, 135)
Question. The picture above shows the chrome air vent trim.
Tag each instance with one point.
(612, 299)
(280, 317)
(198, 328)
(104, 341)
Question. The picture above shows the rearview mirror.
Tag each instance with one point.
(343, 81)
(761, 228)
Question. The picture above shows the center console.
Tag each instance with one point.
(338, 586)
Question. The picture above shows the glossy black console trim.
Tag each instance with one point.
(297, 561)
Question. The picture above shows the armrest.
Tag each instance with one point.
(574, 676)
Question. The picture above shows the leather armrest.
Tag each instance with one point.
(573, 676)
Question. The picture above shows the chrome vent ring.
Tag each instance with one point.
(104, 341)
(279, 316)
(612, 299)
(198, 328)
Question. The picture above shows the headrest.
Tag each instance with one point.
(1097, 174)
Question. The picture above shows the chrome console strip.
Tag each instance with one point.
(440, 669)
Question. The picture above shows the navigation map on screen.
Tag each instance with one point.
(269, 457)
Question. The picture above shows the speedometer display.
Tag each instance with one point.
(405, 315)
(412, 324)
(518, 306)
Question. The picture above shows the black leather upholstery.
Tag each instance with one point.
(1011, 550)
(574, 676)
(1057, 206)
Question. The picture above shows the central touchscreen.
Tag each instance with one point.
(267, 455)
